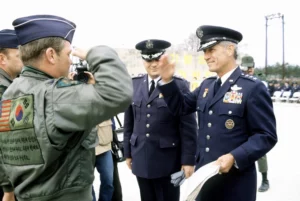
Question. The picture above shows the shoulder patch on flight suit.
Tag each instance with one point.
(65, 82)
(18, 141)
(2, 90)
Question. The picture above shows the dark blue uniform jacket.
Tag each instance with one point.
(157, 141)
(239, 120)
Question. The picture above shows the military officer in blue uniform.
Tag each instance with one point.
(237, 125)
(156, 143)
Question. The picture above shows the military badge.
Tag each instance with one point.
(200, 33)
(229, 124)
(160, 95)
(205, 92)
(235, 88)
(233, 96)
(149, 44)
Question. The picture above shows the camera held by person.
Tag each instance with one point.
(81, 67)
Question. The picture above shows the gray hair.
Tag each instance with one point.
(227, 43)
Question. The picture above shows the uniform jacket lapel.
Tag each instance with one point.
(144, 87)
(210, 92)
(226, 86)
(154, 94)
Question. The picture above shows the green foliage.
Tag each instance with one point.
(276, 72)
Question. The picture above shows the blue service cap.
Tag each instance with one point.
(152, 49)
(35, 27)
(212, 35)
(8, 39)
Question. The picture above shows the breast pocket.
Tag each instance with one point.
(136, 107)
(163, 113)
(232, 115)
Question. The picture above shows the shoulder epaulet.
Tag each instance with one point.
(249, 77)
(65, 82)
(138, 76)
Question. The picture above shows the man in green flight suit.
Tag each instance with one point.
(46, 118)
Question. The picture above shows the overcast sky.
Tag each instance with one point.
(123, 23)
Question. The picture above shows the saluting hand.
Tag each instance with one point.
(188, 170)
(226, 162)
(78, 52)
(129, 162)
(166, 68)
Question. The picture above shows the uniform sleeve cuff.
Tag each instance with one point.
(241, 158)
(188, 159)
(163, 83)
(169, 89)
(8, 188)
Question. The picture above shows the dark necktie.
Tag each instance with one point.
(152, 87)
(217, 85)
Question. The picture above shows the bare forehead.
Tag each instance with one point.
(67, 46)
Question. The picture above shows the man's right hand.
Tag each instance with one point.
(166, 68)
(9, 196)
(129, 162)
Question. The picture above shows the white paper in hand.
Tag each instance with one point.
(192, 186)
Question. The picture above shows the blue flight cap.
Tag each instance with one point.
(42, 26)
(8, 39)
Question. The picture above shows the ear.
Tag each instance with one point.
(3, 59)
(50, 55)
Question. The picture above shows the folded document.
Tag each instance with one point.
(192, 186)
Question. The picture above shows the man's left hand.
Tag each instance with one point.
(226, 162)
(188, 170)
